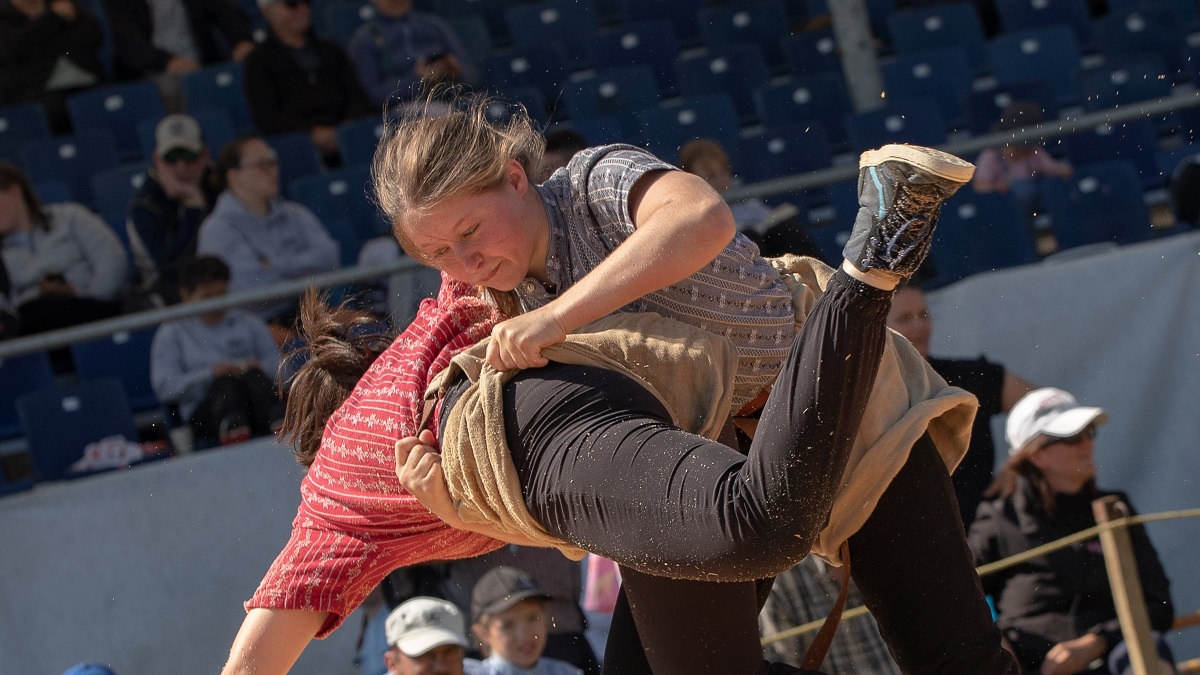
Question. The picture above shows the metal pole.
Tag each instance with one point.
(1126, 586)
(860, 66)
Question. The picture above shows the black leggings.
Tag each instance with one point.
(602, 467)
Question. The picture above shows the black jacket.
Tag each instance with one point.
(216, 26)
(283, 98)
(29, 48)
(1065, 594)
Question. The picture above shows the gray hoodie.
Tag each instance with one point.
(78, 245)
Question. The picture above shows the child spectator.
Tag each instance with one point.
(1018, 167)
(510, 624)
(215, 366)
(426, 636)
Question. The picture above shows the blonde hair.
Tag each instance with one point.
(426, 157)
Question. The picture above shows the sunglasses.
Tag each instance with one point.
(1088, 433)
(180, 155)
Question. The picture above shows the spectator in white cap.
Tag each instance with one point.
(1057, 611)
(427, 636)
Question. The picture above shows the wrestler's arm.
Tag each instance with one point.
(681, 224)
(270, 640)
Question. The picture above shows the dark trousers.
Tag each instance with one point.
(602, 467)
(51, 312)
(246, 399)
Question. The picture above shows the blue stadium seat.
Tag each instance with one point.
(297, 156)
(124, 356)
(53, 191)
(541, 66)
(953, 24)
(508, 102)
(878, 12)
(942, 74)
(1122, 82)
(681, 14)
(822, 98)
(907, 120)
(219, 86)
(648, 43)
(776, 152)
(342, 20)
(1101, 202)
(20, 123)
(599, 130)
(620, 92)
(1135, 141)
(735, 70)
(118, 108)
(71, 159)
(59, 423)
(812, 52)
(985, 107)
(978, 233)
(347, 239)
(1049, 53)
(20, 375)
(570, 23)
(831, 238)
(1189, 13)
(357, 140)
(760, 22)
(472, 32)
(1018, 15)
(1149, 28)
(492, 12)
(343, 194)
(667, 127)
(1168, 160)
(114, 189)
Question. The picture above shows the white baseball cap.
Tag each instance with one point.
(424, 623)
(1048, 412)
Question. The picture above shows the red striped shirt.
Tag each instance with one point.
(355, 523)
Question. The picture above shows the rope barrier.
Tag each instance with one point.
(1017, 560)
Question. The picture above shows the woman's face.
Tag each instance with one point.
(1068, 463)
(493, 239)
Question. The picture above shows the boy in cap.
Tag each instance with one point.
(426, 636)
(510, 624)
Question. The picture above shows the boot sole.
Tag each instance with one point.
(934, 162)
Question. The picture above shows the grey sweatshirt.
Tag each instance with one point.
(78, 245)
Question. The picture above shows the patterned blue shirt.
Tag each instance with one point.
(739, 295)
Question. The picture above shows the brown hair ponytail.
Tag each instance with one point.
(341, 343)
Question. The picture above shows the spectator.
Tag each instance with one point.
(167, 39)
(1056, 611)
(264, 239)
(166, 211)
(807, 593)
(48, 51)
(509, 620)
(296, 81)
(776, 231)
(561, 146)
(1018, 167)
(427, 636)
(996, 387)
(399, 50)
(9, 326)
(217, 367)
(65, 264)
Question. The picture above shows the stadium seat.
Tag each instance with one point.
(1101, 202)
(1049, 53)
(492, 12)
(118, 108)
(812, 52)
(507, 102)
(347, 239)
(219, 86)
(599, 130)
(906, 120)
(60, 422)
(831, 238)
(648, 43)
(1018, 15)
(215, 127)
(667, 127)
(342, 20)
(541, 66)
(776, 152)
(472, 32)
(878, 12)
(1146, 29)
(72, 160)
(822, 98)
(985, 107)
(343, 194)
(570, 23)
(357, 140)
(978, 233)
(20, 123)
(124, 356)
(1121, 82)
(20, 375)
(297, 156)
(681, 14)
(760, 22)
(941, 73)
(1135, 141)
(53, 191)
(1189, 13)
(735, 70)
(114, 189)
(954, 24)
(619, 92)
